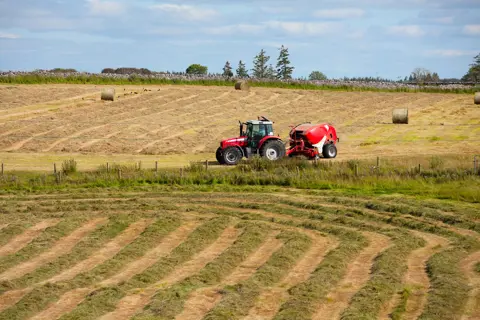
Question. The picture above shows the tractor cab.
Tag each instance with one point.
(256, 137)
(256, 131)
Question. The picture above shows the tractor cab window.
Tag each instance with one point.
(253, 130)
(269, 128)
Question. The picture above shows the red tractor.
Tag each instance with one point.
(258, 139)
(309, 140)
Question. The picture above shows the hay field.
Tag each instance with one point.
(288, 254)
(187, 122)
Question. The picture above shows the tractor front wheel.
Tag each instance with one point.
(219, 155)
(231, 156)
(273, 150)
(329, 151)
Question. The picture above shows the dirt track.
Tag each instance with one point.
(189, 120)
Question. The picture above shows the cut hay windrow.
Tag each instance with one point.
(169, 265)
(23, 239)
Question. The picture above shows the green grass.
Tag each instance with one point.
(385, 279)
(449, 287)
(166, 304)
(86, 247)
(93, 79)
(327, 211)
(402, 304)
(42, 243)
(305, 296)
(239, 298)
(440, 183)
(104, 300)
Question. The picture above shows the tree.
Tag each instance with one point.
(420, 75)
(317, 75)
(242, 70)
(197, 69)
(284, 70)
(260, 65)
(435, 77)
(270, 72)
(227, 70)
(473, 73)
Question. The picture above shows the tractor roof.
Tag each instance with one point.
(259, 122)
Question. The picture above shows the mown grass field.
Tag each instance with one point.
(193, 252)
(343, 239)
(175, 124)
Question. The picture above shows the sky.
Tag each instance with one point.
(341, 38)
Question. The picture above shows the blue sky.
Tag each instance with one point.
(383, 38)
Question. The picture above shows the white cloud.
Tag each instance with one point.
(289, 28)
(4, 35)
(450, 53)
(343, 13)
(251, 29)
(276, 10)
(305, 28)
(409, 30)
(186, 12)
(472, 29)
(105, 8)
(443, 20)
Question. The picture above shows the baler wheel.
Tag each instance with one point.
(329, 151)
(231, 156)
(273, 150)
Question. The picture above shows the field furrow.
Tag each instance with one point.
(23, 239)
(270, 300)
(358, 273)
(416, 281)
(472, 306)
(63, 246)
(170, 242)
(105, 253)
(200, 302)
(131, 304)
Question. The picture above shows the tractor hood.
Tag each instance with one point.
(237, 141)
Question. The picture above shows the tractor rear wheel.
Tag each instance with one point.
(273, 150)
(329, 151)
(219, 155)
(231, 156)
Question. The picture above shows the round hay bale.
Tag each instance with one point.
(400, 116)
(108, 94)
(476, 99)
(242, 85)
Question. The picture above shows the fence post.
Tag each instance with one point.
(119, 174)
(3, 169)
(419, 168)
(156, 166)
(378, 162)
(54, 168)
(356, 169)
(206, 164)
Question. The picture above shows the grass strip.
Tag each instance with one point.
(305, 296)
(239, 298)
(449, 286)
(86, 247)
(137, 80)
(168, 303)
(43, 242)
(12, 230)
(386, 277)
(149, 239)
(104, 300)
